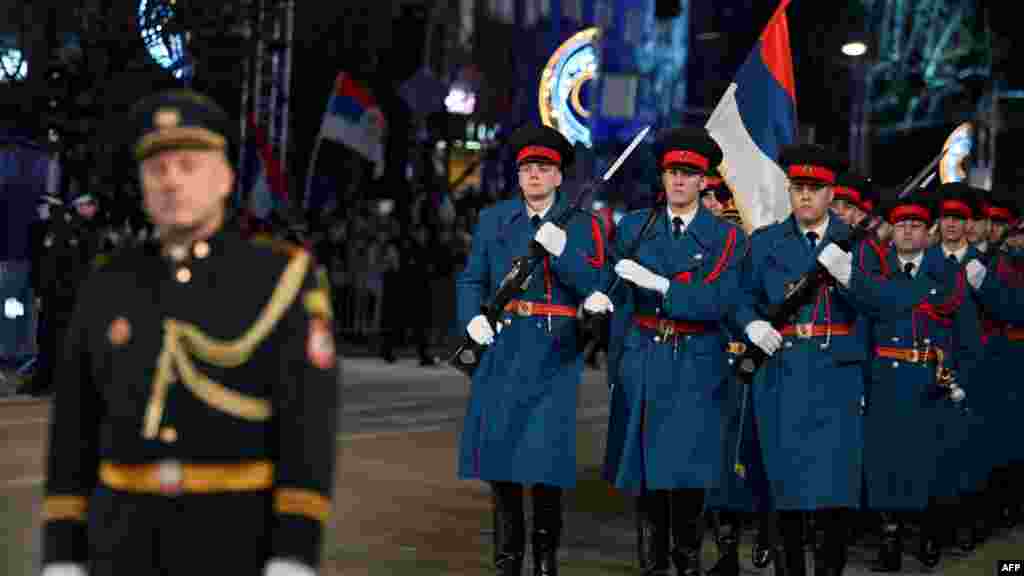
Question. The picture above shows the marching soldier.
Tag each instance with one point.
(959, 470)
(520, 423)
(807, 395)
(921, 326)
(850, 194)
(978, 225)
(665, 428)
(713, 181)
(998, 283)
(195, 409)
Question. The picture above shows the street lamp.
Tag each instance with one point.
(855, 48)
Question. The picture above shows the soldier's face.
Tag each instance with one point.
(952, 229)
(977, 231)
(185, 189)
(681, 186)
(711, 204)
(810, 201)
(910, 236)
(539, 180)
(841, 208)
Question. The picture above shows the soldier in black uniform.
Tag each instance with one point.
(193, 425)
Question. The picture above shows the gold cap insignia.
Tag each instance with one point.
(165, 118)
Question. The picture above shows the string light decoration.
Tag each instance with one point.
(165, 46)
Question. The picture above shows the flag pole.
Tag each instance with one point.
(316, 147)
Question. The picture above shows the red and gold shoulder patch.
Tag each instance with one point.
(320, 349)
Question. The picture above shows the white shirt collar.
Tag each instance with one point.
(982, 246)
(916, 260)
(686, 218)
(819, 229)
(958, 253)
(530, 213)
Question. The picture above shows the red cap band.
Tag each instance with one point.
(909, 212)
(847, 193)
(809, 172)
(956, 208)
(999, 213)
(543, 152)
(687, 157)
(712, 182)
(867, 205)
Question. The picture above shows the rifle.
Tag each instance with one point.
(802, 291)
(466, 357)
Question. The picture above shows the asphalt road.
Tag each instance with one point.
(398, 507)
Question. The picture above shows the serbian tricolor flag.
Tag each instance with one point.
(754, 119)
(263, 176)
(354, 119)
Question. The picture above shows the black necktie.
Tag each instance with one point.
(952, 259)
(812, 237)
(677, 227)
(535, 220)
(908, 268)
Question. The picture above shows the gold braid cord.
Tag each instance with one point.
(182, 339)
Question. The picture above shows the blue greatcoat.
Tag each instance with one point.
(1001, 297)
(962, 466)
(520, 423)
(665, 426)
(906, 411)
(807, 395)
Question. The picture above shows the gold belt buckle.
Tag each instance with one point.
(804, 330)
(666, 328)
(171, 477)
(915, 356)
(524, 308)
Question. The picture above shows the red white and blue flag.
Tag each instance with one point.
(263, 176)
(752, 122)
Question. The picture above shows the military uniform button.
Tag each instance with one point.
(895, 364)
(927, 341)
(168, 435)
(177, 253)
(183, 275)
(201, 250)
(787, 344)
(895, 338)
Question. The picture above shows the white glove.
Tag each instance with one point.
(279, 567)
(64, 569)
(552, 238)
(598, 303)
(764, 336)
(838, 263)
(480, 330)
(632, 272)
(976, 273)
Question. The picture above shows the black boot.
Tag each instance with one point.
(928, 551)
(763, 551)
(727, 534)
(547, 529)
(832, 558)
(653, 533)
(687, 531)
(509, 529)
(789, 558)
(890, 554)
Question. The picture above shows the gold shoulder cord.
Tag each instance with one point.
(182, 339)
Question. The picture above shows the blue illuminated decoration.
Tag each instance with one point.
(167, 50)
(13, 66)
(571, 66)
